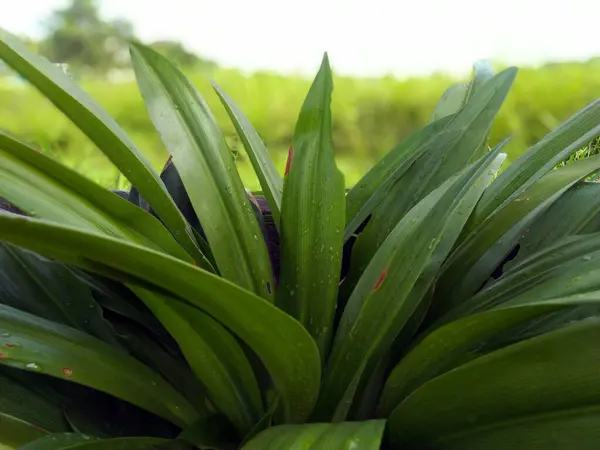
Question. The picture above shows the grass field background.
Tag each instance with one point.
(370, 116)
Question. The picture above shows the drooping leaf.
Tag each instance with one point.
(90, 118)
(207, 169)
(43, 187)
(269, 178)
(321, 436)
(37, 345)
(312, 217)
(287, 351)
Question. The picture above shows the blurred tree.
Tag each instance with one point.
(76, 35)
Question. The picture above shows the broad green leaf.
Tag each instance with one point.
(556, 146)
(473, 262)
(51, 291)
(15, 432)
(48, 194)
(269, 178)
(37, 345)
(76, 441)
(215, 357)
(375, 185)
(45, 188)
(90, 118)
(530, 383)
(581, 204)
(395, 282)
(457, 342)
(285, 348)
(22, 399)
(312, 217)
(447, 154)
(321, 436)
(541, 274)
(207, 169)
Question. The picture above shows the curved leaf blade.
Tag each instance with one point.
(15, 432)
(37, 345)
(286, 349)
(90, 118)
(207, 169)
(76, 441)
(312, 217)
(387, 295)
(321, 436)
(269, 178)
(524, 381)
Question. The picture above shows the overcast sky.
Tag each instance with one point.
(363, 37)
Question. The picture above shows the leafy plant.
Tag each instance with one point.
(437, 304)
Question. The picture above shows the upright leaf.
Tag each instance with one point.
(269, 178)
(90, 118)
(312, 217)
(447, 154)
(387, 294)
(207, 169)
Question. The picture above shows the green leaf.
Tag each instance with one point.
(457, 342)
(45, 188)
(53, 193)
(530, 384)
(473, 262)
(556, 146)
(51, 291)
(395, 282)
(215, 357)
(285, 348)
(15, 432)
(321, 436)
(269, 178)
(37, 345)
(312, 217)
(28, 400)
(90, 118)
(207, 169)
(581, 204)
(375, 185)
(76, 441)
(447, 154)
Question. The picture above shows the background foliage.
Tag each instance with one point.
(370, 115)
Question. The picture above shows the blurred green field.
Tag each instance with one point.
(370, 115)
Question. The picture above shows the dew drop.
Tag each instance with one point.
(4, 335)
(33, 366)
(587, 258)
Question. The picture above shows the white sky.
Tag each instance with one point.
(362, 37)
